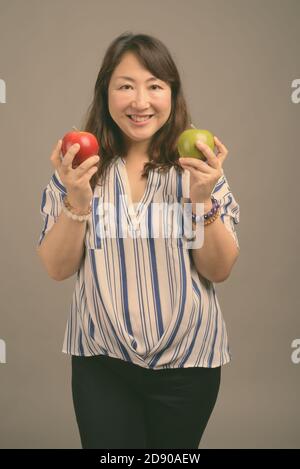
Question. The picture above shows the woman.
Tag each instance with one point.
(145, 332)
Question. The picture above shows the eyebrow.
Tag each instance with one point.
(131, 79)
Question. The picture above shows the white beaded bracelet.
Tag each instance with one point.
(72, 215)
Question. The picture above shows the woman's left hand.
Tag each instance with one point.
(204, 174)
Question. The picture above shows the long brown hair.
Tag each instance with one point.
(156, 58)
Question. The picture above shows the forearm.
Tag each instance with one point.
(62, 249)
(215, 259)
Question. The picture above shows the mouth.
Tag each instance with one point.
(136, 118)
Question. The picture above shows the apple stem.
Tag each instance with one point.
(75, 128)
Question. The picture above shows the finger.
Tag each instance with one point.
(88, 174)
(194, 172)
(70, 155)
(222, 150)
(210, 155)
(195, 163)
(91, 161)
(55, 155)
(214, 161)
(219, 144)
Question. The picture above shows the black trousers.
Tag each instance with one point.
(121, 405)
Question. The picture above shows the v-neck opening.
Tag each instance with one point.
(137, 212)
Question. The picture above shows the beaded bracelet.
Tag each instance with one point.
(210, 216)
(69, 211)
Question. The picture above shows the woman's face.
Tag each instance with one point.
(139, 96)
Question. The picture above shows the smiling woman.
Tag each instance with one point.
(145, 332)
(138, 77)
(137, 102)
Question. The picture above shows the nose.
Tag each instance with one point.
(141, 100)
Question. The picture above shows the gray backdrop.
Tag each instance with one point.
(238, 60)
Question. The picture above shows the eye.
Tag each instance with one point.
(151, 86)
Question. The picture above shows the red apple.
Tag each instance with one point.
(88, 145)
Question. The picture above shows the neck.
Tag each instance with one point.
(136, 159)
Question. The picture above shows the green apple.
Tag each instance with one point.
(187, 140)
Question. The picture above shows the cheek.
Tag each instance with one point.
(117, 100)
(164, 102)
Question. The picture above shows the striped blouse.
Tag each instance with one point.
(140, 298)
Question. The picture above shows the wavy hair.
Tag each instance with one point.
(162, 150)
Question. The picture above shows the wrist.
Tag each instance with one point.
(207, 206)
(76, 208)
(211, 212)
(76, 213)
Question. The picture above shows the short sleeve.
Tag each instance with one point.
(230, 209)
(51, 204)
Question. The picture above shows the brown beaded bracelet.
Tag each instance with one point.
(69, 211)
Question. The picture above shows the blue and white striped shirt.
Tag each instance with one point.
(141, 299)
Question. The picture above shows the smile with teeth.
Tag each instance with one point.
(139, 118)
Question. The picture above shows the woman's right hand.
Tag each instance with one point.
(76, 181)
